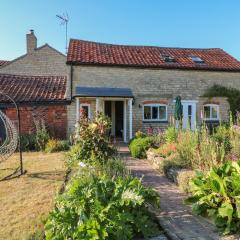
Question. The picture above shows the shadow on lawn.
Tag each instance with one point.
(48, 175)
(14, 173)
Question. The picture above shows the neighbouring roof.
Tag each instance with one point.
(103, 92)
(36, 50)
(3, 62)
(25, 89)
(92, 53)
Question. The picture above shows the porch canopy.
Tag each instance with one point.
(104, 94)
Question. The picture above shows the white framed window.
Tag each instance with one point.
(211, 112)
(155, 112)
(85, 108)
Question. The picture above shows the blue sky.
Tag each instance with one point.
(172, 23)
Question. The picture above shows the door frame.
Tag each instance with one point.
(89, 109)
(193, 103)
(113, 116)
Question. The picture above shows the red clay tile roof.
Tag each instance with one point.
(25, 89)
(3, 62)
(92, 53)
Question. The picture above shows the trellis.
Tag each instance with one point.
(10, 142)
(12, 137)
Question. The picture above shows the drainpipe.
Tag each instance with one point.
(71, 82)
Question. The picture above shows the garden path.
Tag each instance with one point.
(175, 217)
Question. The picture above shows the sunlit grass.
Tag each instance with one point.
(26, 201)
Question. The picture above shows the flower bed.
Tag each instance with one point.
(176, 174)
(216, 194)
(102, 201)
(205, 166)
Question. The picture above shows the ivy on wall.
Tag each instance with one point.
(232, 94)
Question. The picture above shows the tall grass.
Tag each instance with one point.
(201, 150)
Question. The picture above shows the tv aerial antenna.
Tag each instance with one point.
(64, 19)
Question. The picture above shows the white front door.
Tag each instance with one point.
(189, 114)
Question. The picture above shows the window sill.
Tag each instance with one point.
(165, 121)
(211, 120)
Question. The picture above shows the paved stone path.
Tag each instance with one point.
(175, 217)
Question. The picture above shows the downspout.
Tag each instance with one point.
(71, 83)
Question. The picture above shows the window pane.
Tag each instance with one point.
(162, 112)
(147, 112)
(189, 110)
(154, 112)
(214, 112)
(207, 112)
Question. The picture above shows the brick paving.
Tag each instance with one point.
(175, 217)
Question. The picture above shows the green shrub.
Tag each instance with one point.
(114, 167)
(209, 152)
(42, 138)
(99, 208)
(184, 178)
(158, 139)
(235, 140)
(222, 137)
(186, 146)
(140, 134)
(139, 146)
(171, 134)
(92, 145)
(55, 145)
(199, 149)
(28, 142)
(165, 150)
(168, 163)
(216, 194)
(73, 155)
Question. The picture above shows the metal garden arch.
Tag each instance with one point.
(12, 135)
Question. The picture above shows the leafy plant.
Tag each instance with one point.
(55, 145)
(171, 134)
(166, 150)
(183, 180)
(95, 207)
(167, 164)
(222, 136)
(140, 134)
(42, 135)
(186, 146)
(209, 152)
(28, 142)
(139, 146)
(216, 194)
(42, 138)
(197, 149)
(92, 144)
(114, 167)
(235, 140)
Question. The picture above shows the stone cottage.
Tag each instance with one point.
(37, 81)
(136, 85)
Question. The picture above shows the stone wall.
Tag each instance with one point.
(54, 117)
(154, 85)
(42, 61)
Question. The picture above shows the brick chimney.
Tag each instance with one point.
(31, 42)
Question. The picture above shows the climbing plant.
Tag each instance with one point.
(232, 94)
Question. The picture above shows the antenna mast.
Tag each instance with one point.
(64, 21)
